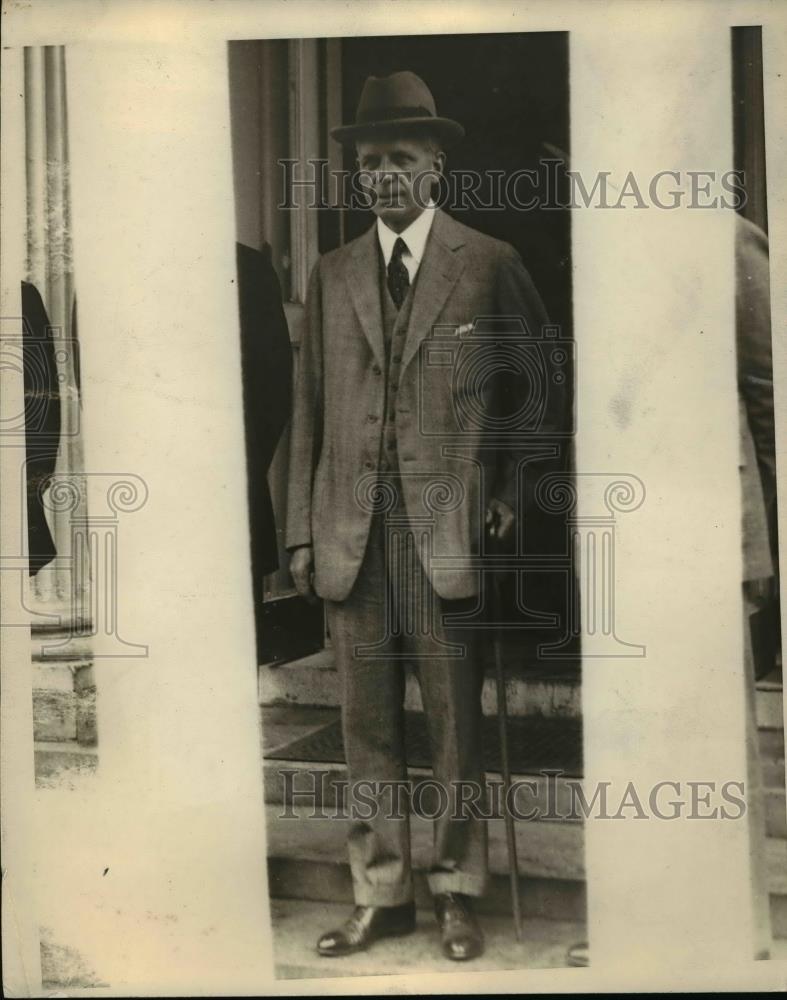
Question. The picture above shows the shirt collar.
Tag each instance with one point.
(414, 236)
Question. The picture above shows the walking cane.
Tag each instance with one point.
(502, 724)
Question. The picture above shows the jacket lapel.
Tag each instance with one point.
(364, 287)
(438, 273)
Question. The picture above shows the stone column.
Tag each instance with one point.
(58, 592)
(20, 939)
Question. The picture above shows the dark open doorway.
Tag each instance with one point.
(511, 94)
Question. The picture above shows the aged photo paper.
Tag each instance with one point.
(393, 449)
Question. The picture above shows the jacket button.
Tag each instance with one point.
(372, 418)
(369, 465)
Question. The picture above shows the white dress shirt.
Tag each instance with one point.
(415, 237)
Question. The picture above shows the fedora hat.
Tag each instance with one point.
(399, 100)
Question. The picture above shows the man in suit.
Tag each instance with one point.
(387, 476)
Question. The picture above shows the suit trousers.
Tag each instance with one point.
(393, 616)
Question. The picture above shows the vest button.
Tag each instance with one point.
(377, 370)
(372, 418)
(369, 464)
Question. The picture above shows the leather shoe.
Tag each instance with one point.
(368, 924)
(462, 937)
(578, 955)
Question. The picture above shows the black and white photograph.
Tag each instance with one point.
(415, 612)
(393, 476)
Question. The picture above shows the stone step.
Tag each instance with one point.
(307, 859)
(772, 760)
(313, 681)
(64, 700)
(284, 724)
(777, 885)
(297, 924)
(776, 813)
(63, 764)
(772, 753)
(288, 781)
(770, 705)
(532, 689)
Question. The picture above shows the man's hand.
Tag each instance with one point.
(499, 520)
(302, 570)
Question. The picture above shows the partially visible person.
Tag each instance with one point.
(755, 378)
(42, 422)
(760, 540)
(266, 358)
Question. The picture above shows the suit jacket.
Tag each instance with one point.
(755, 383)
(447, 473)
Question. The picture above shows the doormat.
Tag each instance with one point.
(535, 744)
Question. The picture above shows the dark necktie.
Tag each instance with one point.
(398, 277)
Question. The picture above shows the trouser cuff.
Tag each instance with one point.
(461, 882)
(382, 895)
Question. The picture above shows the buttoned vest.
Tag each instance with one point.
(395, 325)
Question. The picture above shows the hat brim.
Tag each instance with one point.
(448, 131)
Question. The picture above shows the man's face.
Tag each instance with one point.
(399, 173)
